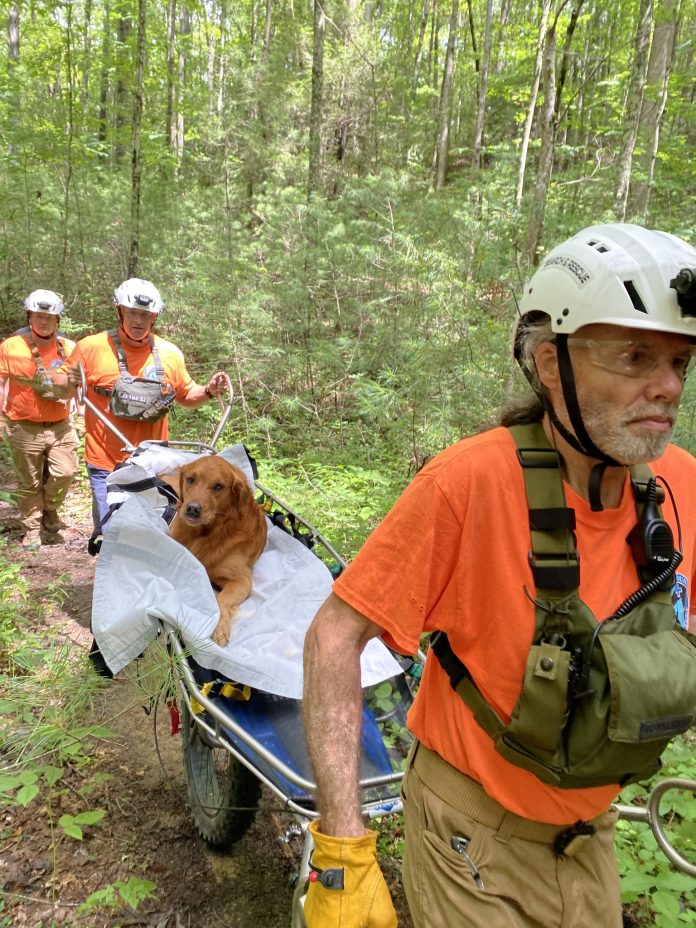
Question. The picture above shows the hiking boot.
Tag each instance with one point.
(31, 539)
(50, 522)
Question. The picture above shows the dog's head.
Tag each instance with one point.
(209, 489)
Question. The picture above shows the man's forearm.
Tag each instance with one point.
(333, 716)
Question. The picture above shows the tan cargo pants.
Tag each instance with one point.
(500, 871)
(45, 462)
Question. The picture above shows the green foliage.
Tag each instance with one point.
(118, 895)
(661, 896)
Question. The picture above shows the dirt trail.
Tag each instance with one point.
(147, 832)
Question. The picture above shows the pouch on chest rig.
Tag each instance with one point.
(599, 701)
(137, 398)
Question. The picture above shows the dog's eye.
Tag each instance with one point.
(189, 480)
(218, 486)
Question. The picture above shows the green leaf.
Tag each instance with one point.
(26, 794)
(91, 817)
(135, 891)
(666, 903)
(67, 823)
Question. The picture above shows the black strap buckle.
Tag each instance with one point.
(574, 835)
(330, 878)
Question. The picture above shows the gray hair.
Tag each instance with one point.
(533, 329)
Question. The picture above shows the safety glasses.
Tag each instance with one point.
(633, 358)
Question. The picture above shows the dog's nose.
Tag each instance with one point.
(193, 510)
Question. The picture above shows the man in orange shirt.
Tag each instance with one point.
(605, 337)
(42, 441)
(132, 377)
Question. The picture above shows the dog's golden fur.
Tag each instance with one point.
(220, 522)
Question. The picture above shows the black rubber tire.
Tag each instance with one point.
(223, 793)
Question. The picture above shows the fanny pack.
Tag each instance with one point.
(138, 398)
(600, 701)
(41, 382)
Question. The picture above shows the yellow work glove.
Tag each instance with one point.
(364, 901)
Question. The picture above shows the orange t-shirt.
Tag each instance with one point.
(453, 555)
(18, 367)
(97, 355)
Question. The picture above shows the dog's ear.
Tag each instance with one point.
(172, 480)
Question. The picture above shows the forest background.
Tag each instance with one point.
(339, 201)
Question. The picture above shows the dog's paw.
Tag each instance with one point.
(221, 635)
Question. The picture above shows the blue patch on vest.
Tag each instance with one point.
(680, 599)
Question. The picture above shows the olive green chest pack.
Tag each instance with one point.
(600, 701)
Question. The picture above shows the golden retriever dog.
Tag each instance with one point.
(220, 522)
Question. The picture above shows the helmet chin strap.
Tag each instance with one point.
(581, 441)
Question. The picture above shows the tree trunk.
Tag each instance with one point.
(267, 32)
(536, 218)
(68, 11)
(316, 112)
(421, 42)
(472, 33)
(171, 76)
(104, 77)
(633, 107)
(527, 131)
(86, 59)
(134, 258)
(502, 27)
(123, 31)
(483, 89)
(446, 101)
(184, 30)
(660, 63)
(13, 33)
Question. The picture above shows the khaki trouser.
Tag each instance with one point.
(511, 877)
(45, 462)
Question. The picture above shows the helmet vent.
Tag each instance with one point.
(593, 243)
(634, 296)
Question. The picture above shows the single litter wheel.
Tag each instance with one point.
(223, 793)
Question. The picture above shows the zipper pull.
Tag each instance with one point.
(460, 845)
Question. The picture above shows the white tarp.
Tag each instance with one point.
(140, 568)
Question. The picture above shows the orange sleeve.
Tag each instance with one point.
(403, 568)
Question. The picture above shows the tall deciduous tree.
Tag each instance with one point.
(445, 111)
(634, 102)
(483, 88)
(531, 108)
(316, 116)
(136, 155)
(667, 14)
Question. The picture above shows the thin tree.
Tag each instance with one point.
(634, 101)
(442, 144)
(531, 108)
(667, 14)
(317, 107)
(136, 162)
(483, 88)
(536, 217)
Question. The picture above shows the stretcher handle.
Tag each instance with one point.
(82, 400)
(650, 814)
(224, 409)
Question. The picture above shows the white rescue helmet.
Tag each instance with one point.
(44, 301)
(135, 293)
(617, 274)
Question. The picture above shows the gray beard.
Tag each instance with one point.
(612, 434)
